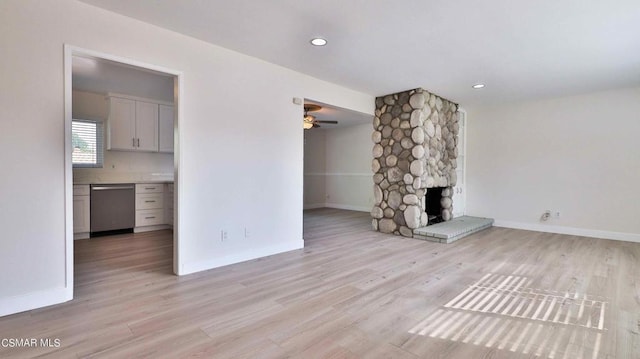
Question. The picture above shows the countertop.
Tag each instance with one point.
(95, 177)
(120, 182)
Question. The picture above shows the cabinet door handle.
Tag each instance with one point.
(149, 188)
(138, 142)
(133, 142)
(149, 217)
(149, 201)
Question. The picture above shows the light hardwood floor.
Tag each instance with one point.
(351, 293)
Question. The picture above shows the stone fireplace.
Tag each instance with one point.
(414, 161)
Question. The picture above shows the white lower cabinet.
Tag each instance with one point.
(153, 201)
(81, 211)
(149, 217)
(149, 201)
(168, 201)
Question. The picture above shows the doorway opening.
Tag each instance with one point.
(337, 163)
(121, 156)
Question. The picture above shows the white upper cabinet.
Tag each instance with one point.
(121, 131)
(146, 126)
(165, 122)
(137, 124)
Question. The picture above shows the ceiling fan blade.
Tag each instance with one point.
(323, 121)
(311, 107)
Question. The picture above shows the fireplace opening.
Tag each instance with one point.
(432, 206)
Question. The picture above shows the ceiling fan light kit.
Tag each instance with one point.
(309, 121)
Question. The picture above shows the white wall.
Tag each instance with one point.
(89, 105)
(578, 155)
(349, 178)
(234, 172)
(315, 168)
(118, 165)
(96, 76)
(345, 180)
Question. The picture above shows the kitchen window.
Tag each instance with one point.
(87, 143)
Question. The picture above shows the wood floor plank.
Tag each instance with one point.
(350, 293)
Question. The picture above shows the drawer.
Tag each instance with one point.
(149, 201)
(149, 188)
(170, 187)
(149, 217)
(81, 190)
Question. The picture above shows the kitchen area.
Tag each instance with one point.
(122, 149)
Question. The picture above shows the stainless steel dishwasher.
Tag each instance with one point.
(113, 207)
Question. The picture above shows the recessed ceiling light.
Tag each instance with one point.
(318, 41)
(478, 86)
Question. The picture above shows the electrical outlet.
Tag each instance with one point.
(545, 215)
(247, 234)
(557, 214)
(223, 235)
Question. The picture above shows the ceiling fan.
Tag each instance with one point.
(310, 121)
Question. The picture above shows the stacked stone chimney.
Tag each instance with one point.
(415, 148)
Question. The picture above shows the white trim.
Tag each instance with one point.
(347, 207)
(69, 52)
(29, 301)
(78, 51)
(339, 174)
(68, 191)
(255, 253)
(583, 232)
(178, 83)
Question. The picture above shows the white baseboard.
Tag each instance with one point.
(338, 206)
(189, 268)
(35, 300)
(84, 235)
(348, 207)
(151, 228)
(314, 206)
(583, 232)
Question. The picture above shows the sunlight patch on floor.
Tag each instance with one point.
(505, 312)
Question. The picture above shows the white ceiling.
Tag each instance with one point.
(521, 49)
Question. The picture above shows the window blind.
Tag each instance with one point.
(87, 144)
